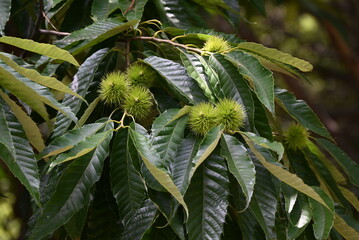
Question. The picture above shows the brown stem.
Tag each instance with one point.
(130, 7)
(53, 32)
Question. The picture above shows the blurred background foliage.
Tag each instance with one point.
(323, 32)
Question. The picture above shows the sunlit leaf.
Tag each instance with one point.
(5, 7)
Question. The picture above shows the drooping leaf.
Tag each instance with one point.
(101, 9)
(140, 222)
(168, 137)
(196, 71)
(233, 85)
(30, 128)
(80, 85)
(35, 76)
(132, 10)
(152, 161)
(126, 183)
(261, 79)
(82, 148)
(5, 7)
(207, 198)
(70, 139)
(274, 146)
(239, 164)
(17, 153)
(94, 34)
(207, 146)
(274, 54)
(349, 166)
(323, 217)
(177, 79)
(300, 111)
(72, 190)
(88, 112)
(49, 50)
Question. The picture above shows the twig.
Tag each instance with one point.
(168, 42)
(130, 7)
(53, 32)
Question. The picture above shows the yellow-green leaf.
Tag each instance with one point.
(271, 53)
(31, 130)
(87, 112)
(344, 229)
(41, 48)
(35, 76)
(351, 197)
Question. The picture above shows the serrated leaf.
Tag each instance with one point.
(30, 128)
(196, 71)
(101, 9)
(82, 148)
(72, 190)
(263, 142)
(70, 139)
(285, 176)
(207, 146)
(49, 50)
(168, 137)
(17, 153)
(94, 34)
(207, 198)
(175, 75)
(80, 84)
(233, 85)
(126, 183)
(300, 111)
(274, 54)
(35, 76)
(5, 7)
(261, 79)
(349, 166)
(132, 10)
(152, 161)
(140, 222)
(239, 164)
(323, 217)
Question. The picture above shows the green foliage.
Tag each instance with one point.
(183, 138)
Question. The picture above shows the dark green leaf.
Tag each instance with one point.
(261, 79)
(102, 8)
(207, 198)
(132, 10)
(261, 122)
(80, 85)
(127, 184)
(177, 79)
(300, 111)
(173, 12)
(17, 153)
(72, 190)
(349, 166)
(239, 164)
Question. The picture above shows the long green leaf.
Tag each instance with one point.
(41, 48)
(207, 146)
(17, 153)
(239, 164)
(80, 85)
(323, 218)
(261, 121)
(261, 78)
(177, 79)
(263, 142)
(72, 190)
(285, 176)
(196, 71)
(174, 13)
(349, 166)
(126, 183)
(70, 139)
(274, 54)
(207, 198)
(233, 84)
(140, 222)
(101, 9)
(35, 76)
(5, 7)
(345, 224)
(132, 10)
(151, 159)
(300, 111)
(31, 129)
